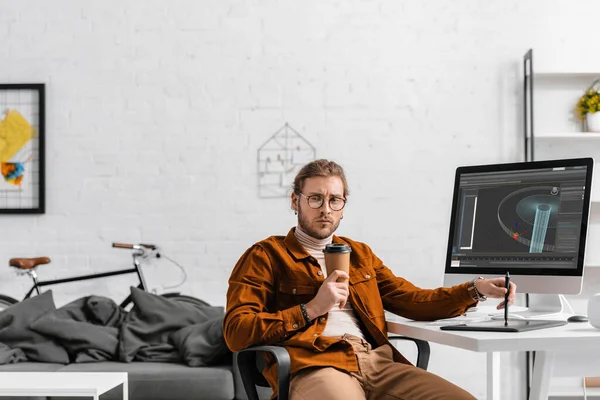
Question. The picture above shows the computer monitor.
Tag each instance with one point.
(530, 219)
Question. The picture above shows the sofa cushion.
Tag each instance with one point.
(10, 356)
(87, 328)
(16, 330)
(165, 381)
(201, 344)
(30, 367)
(145, 333)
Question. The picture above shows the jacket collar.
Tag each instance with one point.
(297, 250)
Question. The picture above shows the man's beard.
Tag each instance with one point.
(321, 233)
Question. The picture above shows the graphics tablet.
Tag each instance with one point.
(498, 326)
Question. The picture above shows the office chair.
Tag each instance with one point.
(250, 366)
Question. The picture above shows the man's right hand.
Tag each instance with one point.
(330, 293)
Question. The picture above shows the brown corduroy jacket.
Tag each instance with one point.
(276, 275)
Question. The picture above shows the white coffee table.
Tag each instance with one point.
(68, 384)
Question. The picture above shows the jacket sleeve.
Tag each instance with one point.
(252, 289)
(401, 297)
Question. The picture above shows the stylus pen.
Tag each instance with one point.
(507, 286)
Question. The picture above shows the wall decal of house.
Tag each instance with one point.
(279, 159)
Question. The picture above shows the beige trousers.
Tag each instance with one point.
(380, 378)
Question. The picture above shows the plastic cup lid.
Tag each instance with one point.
(337, 248)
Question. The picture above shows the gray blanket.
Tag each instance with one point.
(158, 329)
(94, 328)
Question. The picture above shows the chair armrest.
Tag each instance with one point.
(423, 350)
(251, 374)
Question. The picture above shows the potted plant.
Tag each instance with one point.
(588, 107)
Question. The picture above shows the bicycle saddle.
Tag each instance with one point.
(28, 263)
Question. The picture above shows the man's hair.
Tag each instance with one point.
(323, 168)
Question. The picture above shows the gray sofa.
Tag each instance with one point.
(155, 381)
(171, 350)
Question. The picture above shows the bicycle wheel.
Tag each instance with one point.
(185, 299)
(127, 303)
(6, 301)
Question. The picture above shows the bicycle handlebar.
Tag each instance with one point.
(122, 245)
(134, 246)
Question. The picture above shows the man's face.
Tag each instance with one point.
(319, 223)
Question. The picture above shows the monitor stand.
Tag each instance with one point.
(545, 306)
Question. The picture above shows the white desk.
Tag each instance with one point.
(68, 384)
(575, 343)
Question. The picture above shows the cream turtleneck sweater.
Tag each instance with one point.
(339, 321)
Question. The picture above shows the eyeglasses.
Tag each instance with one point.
(316, 201)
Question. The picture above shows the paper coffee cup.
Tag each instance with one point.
(337, 256)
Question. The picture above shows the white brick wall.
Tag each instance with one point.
(155, 111)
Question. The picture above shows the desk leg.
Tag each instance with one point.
(542, 371)
(493, 376)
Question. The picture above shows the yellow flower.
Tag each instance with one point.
(589, 102)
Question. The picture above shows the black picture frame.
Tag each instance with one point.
(22, 158)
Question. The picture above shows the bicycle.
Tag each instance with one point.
(28, 266)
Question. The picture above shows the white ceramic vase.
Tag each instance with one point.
(593, 122)
(593, 310)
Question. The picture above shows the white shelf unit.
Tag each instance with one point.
(555, 80)
(563, 73)
(595, 136)
(561, 62)
(558, 79)
(553, 131)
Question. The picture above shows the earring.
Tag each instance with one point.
(342, 217)
(295, 212)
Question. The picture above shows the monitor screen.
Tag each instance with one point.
(526, 218)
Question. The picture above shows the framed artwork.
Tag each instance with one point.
(22, 130)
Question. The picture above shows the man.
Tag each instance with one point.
(335, 332)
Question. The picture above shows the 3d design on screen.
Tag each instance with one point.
(533, 212)
(279, 159)
(526, 216)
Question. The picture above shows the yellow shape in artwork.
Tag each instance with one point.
(15, 131)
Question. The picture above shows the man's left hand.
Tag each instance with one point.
(494, 288)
